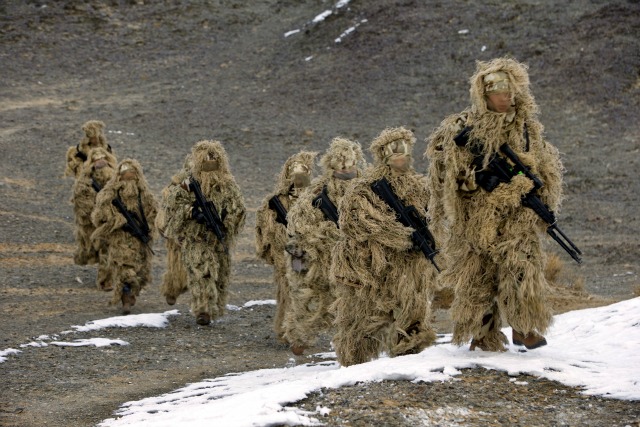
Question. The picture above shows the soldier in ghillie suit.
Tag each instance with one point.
(124, 219)
(271, 226)
(204, 215)
(99, 168)
(313, 231)
(384, 286)
(494, 249)
(77, 154)
(174, 280)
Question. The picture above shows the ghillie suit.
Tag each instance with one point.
(383, 285)
(174, 280)
(205, 256)
(77, 154)
(271, 228)
(129, 256)
(99, 168)
(495, 261)
(312, 235)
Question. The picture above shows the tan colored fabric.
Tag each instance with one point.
(271, 236)
(84, 200)
(174, 280)
(128, 258)
(91, 129)
(383, 287)
(207, 263)
(313, 235)
(493, 251)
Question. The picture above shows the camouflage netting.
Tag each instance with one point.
(206, 259)
(493, 251)
(93, 138)
(97, 170)
(174, 280)
(383, 286)
(271, 236)
(129, 259)
(314, 235)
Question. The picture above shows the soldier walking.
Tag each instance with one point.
(496, 260)
(204, 215)
(271, 226)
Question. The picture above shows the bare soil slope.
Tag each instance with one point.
(165, 74)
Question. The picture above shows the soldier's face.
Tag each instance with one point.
(128, 175)
(211, 164)
(100, 163)
(499, 102)
(300, 174)
(400, 163)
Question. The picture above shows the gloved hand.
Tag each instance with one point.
(197, 215)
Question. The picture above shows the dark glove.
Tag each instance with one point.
(197, 215)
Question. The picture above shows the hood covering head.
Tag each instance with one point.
(93, 129)
(392, 142)
(343, 154)
(299, 161)
(100, 157)
(128, 167)
(501, 75)
(207, 157)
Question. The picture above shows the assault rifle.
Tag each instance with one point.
(281, 213)
(499, 170)
(208, 211)
(409, 217)
(135, 225)
(324, 203)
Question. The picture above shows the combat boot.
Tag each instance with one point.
(490, 337)
(203, 319)
(298, 350)
(530, 341)
(490, 343)
(128, 299)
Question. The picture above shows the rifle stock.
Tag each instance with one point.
(409, 217)
(281, 213)
(324, 203)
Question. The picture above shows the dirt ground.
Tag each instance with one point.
(165, 74)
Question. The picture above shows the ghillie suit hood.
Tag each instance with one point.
(284, 180)
(381, 152)
(77, 154)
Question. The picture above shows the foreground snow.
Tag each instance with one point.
(595, 349)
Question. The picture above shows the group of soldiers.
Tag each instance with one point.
(117, 218)
(354, 248)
